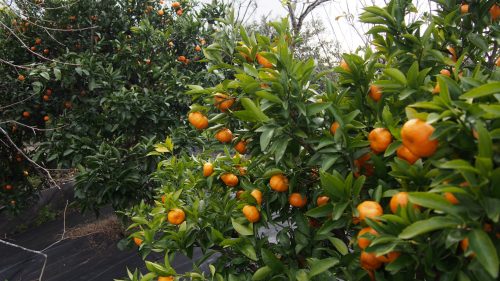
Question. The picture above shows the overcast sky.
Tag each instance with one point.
(336, 15)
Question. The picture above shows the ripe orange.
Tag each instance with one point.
(137, 241)
(242, 170)
(297, 200)
(241, 147)
(416, 137)
(181, 58)
(451, 198)
(345, 66)
(176, 216)
(498, 62)
(495, 13)
(464, 8)
(48, 92)
(166, 278)
(7, 187)
(390, 257)
(257, 194)
(148, 61)
(453, 53)
(163, 198)
(179, 12)
(38, 41)
(46, 97)
(436, 90)
(263, 61)
(73, 18)
(229, 179)
(399, 199)
(46, 118)
(160, 12)
(361, 164)
(369, 261)
(208, 169)
(404, 153)
(224, 135)
(68, 105)
(464, 244)
(33, 48)
(380, 139)
(197, 48)
(445, 72)
(251, 213)
(176, 5)
(26, 114)
(375, 93)
(333, 128)
(279, 183)
(322, 200)
(363, 242)
(21, 77)
(369, 209)
(198, 120)
(223, 102)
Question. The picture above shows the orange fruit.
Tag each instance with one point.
(450, 198)
(241, 147)
(363, 242)
(160, 12)
(345, 66)
(445, 72)
(176, 216)
(361, 164)
(263, 61)
(369, 209)
(229, 179)
(208, 169)
(176, 5)
(333, 128)
(38, 41)
(380, 139)
(416, 137)
(464, 8)
(46, 118)
(390, 257)
(375, 93)
(163, 198)
(7, 187)
(166, 278)
(251, 213)
(181, 58)
(48, 92)
(243, 54)
(436, 90)
(198, 120)
(21, 77)
(224, 135)
(279, 183)
(223, 102)
(197, 48)
(498, 62)
(68, 105)
(242, 170)
(464, 244)
(495, 12)
(33, 48)
(13, 202)
(265, 86)
(257, 194)
(239, 193)
(137, 241)
(399, 199)
(46, 98)
(404, 153)
(453, 53)
(73, 18)
(179, 12)
(297, 200)
(26, 114)
(488, 227)
(322, 200)
(369, 261)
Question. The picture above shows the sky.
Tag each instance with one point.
(340, 18)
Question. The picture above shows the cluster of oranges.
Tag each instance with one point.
(494, 10)
(36, 46)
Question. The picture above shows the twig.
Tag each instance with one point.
(64, 230)
(11, 105)
(30, 251)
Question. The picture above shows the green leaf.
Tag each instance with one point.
(482, 91)
(265, 138)
(57, 73)
(252, 112)
(269, 96)
(248, 250)
(315, 108)
(261, 273)
(432, 201)
(321, 211)
(428, 225)
(242, 229)
(339, 245)
(271, 260)
(45, 75)
(483, 247)
(396, 75)
(320, 266)
(459, 164)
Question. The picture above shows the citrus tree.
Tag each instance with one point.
(389, 173)
(93, 85)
